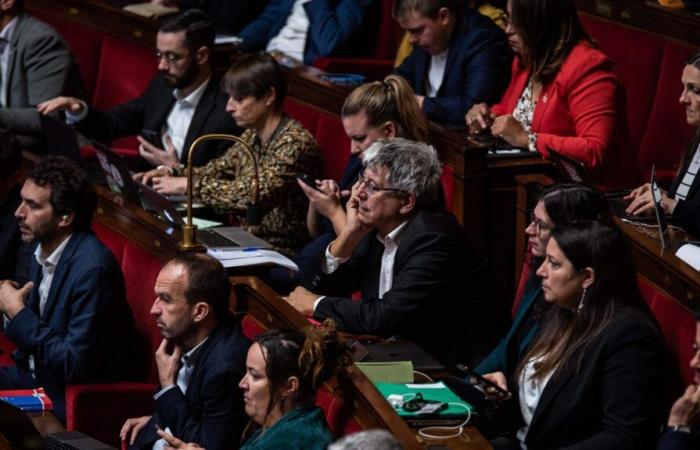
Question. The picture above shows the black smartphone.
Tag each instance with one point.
(307, 180)
(487, 387)
(152, 138)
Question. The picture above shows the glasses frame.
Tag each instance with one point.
(539, 224)
(371, 189)
(169, 57)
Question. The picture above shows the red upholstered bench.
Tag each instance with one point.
(651, 67)
(86, 403)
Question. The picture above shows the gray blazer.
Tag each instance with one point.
(40, 67)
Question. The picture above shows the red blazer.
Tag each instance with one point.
(581, 113)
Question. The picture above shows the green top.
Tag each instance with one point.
(303, 428)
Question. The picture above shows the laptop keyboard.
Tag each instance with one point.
(212, 239)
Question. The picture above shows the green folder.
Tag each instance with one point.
(430, 391)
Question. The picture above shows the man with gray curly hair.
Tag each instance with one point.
(406, 255)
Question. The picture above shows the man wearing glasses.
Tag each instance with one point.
(419, 280)
(181, 103)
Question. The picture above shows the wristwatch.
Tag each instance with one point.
(679, 429)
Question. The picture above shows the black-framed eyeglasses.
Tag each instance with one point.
(371, 188)
(169, 57)
(539, 224)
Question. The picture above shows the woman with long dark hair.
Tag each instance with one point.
(564, 94)
(591, 378)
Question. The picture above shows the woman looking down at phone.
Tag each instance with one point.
(683, 200)
(256, 87)
(564, 94)
(285, 368)
(557, 205)
(591, 378)
(377, 110)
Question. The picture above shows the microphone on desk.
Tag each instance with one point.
(254, 213)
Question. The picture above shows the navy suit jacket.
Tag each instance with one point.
(211, 412)
(334, 27)
(671, 440)
(505, 357)
(435, 294)
(687, 212)
(477, 69)
(611, 400)
(85, 333)
(150, 112)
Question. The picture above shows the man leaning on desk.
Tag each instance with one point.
(409, 259)
(181, 103)
(70, 323)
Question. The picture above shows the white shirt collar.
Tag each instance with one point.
(187, 357)
(6, 33)
(52, 259)
(194, 97)
(394, 235)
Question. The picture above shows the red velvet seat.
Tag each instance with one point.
(668, 134)
(125, 71)
(306, 115)
(86, 405)
(86, 45)
(334, 145)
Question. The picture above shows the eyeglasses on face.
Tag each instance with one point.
(371, 188)
(539, 224)
(169, 57)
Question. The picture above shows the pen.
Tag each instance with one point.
(251, 249)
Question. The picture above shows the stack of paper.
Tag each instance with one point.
(251, 257)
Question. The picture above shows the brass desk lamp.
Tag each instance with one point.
(189, 231)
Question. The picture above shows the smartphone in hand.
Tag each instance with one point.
(152, 138)
(307, 180)
(490, 389)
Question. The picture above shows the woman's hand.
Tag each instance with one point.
(686, 410)
(641, 201)
(479, 118)
(510, 130)
(170, 185)
(147, 177)
(497, 378)
(326, 199)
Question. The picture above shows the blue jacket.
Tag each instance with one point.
(334, 26)
(506, 356)
(85, 333)
(477, 69)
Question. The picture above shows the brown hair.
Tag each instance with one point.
(391, 100)
(426, 8)
(253, 75)
(549, 29)
(313, 356)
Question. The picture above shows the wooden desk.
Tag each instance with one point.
(369, 408)
(45, 423)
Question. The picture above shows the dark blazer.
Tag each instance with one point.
(477, 69)
(612, 400)
(506, 355)
(211, 412)
(85, 333)
(336, 27)
(687, 212)
(671, 440)
(435, 292)
(229, 16)
(40, 67)
(150, 112)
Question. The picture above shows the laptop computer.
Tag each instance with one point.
(577, 172)
(218, 238)
(659, 212)
(498, 148)
(61, 139)
(392, 351)
(18, 429)
(116, 173)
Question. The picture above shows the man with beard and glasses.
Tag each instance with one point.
(70, 323)
(181, 103)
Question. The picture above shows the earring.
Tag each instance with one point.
(582, 301)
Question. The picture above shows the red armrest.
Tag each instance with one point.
(99, 410)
